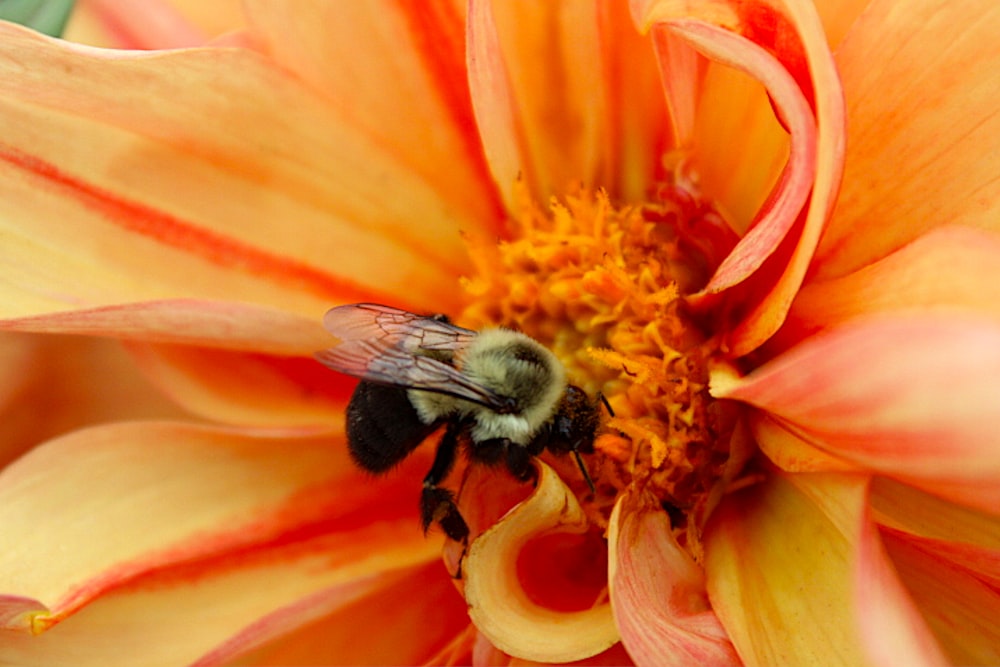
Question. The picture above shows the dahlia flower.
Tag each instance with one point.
(762, 231)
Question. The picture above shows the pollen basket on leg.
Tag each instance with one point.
(602, 286)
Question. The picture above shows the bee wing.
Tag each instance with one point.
(373, 361)
(395, 328)
(387, 345)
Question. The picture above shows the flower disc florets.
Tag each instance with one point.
(603, 287)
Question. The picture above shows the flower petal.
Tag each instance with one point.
(348, 52)
(794, 35)
(925, 128)
(223, 324)
(148, 25)
(498, 603)
(206, 613)
(946, 269)
(658, 592)
(51, 385)
(911, 396)
(791, 451)
(165, 494)
(247, 389)
(961, 610)
(796, 575)
(408, 622)
(173, 199)
(776, 218)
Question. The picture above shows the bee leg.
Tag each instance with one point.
(437, 505)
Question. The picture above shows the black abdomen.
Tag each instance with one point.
(382, 426)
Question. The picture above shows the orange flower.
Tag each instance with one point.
(794, 326)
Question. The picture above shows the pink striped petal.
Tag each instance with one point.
(658, 592)
(911, 396)
(126, 499)
(797, 576)
(173, 200)
(925, 128)
(221, 324)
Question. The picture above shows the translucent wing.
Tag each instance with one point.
(389, 346)
(395, 328)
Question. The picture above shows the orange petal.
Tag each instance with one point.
(148, 25)
(247, 389)
(172, 199)
(925, 128)
(127, 499)
(796, 574)
(946, 269)
(551, 61)
(378, 630)
(911, 396)
(54, 384)
(658, 592)
(349, 52)
(222, 324)
(208, 612)
(962, 610)
(500, 606)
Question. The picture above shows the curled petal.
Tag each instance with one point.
(658, 592)
(911, 396)
(782, 209)
(500, 606)
(797, 575)
(793, 33)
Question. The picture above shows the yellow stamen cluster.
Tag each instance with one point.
(601, 287)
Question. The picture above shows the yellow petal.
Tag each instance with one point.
(924, 124)
(125, 499)
(796, 574)
(498, 603)
(208, 612)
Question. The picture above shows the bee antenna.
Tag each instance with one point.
(604, 399)
(583, 469)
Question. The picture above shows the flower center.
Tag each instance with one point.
(603, 288)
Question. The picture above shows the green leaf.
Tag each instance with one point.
(48, 16)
